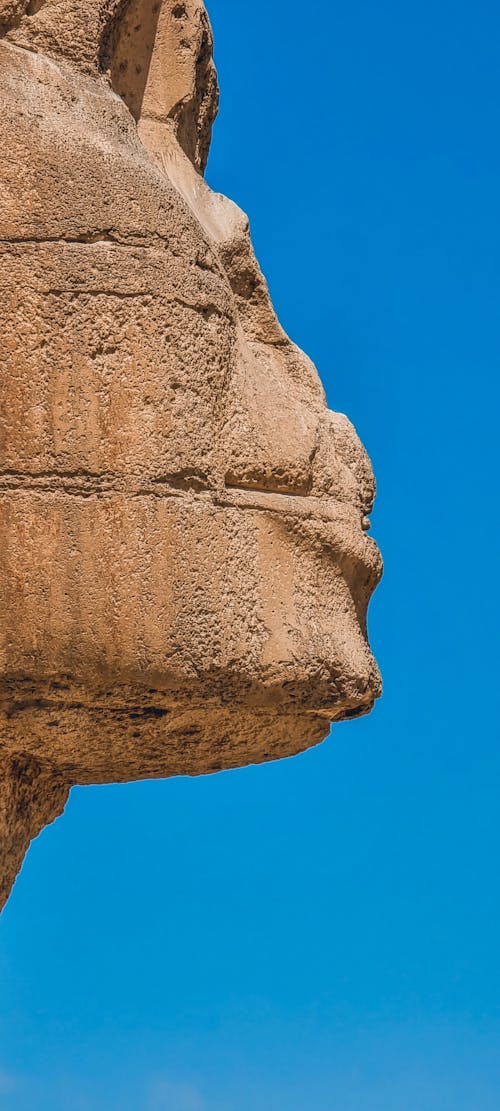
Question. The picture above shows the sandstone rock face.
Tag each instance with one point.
(184, 562)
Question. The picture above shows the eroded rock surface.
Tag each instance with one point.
(184, 561)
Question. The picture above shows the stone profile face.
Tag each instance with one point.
(185, 568)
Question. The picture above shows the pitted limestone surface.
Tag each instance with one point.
(184, 556)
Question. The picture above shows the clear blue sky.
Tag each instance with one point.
(322, 933)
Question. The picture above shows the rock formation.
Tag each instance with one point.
(184, 563)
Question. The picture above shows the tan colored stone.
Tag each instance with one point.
(183, 553)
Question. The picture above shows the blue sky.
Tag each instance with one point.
(322, 933)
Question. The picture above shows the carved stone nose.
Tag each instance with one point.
(341, 467)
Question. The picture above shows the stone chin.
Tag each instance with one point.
(185, 566)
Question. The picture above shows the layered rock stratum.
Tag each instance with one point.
(184, 560)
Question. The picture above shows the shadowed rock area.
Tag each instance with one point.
(184, 559)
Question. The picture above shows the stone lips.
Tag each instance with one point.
(184, 559)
